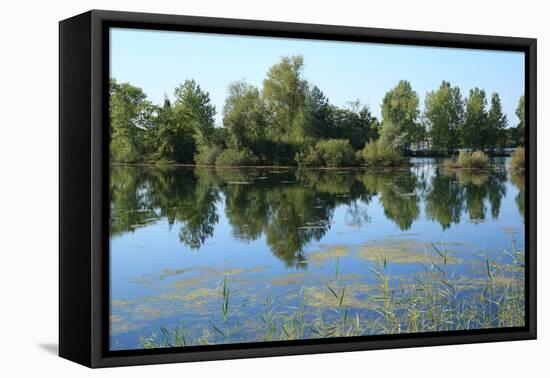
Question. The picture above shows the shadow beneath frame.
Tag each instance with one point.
(51, 348)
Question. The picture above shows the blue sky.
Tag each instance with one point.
(157, 61)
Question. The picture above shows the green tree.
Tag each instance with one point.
(495, 135)
(174, 140)
(131, 120)
(475, 121)
(284, 95)
(244, 116)
(186, 125)
(193, 110)
(318, 114)
(400, 112)
(520, 112)
(356, 124)
(444, 114)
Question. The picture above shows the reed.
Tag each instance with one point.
(435, 300)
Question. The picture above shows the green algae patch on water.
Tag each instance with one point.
(121, 303)
(201, 294)
(119, 325)
(295, 278)
(221, 272)
(189, 282)
(203, 275)
(510, 230)
(447, 244)
(357, 296)
(320, 257)
(146, 312)
(401, 251)
(166, 273)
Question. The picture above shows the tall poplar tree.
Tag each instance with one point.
(400, 126)
(475, 121)
(444, 114)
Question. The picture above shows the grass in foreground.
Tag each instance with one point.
(433, 300)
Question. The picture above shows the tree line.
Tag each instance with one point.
(290, 121)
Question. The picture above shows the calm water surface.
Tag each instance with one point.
(278, 235)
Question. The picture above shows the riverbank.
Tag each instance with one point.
(185, 165)
(432, 155)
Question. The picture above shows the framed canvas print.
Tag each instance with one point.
(235, 188)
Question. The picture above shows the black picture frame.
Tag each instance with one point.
(84, 178)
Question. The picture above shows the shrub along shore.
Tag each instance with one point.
(291, 122)
(472, 160)
(517, 163)
(336, 153)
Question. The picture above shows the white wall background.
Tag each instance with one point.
(29, 186)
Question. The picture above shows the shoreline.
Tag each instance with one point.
(363, 167)
(186, 165)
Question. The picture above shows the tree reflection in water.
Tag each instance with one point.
(293, 207)
(453, 192)
(518, 179)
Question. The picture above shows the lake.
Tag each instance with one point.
(227, 255)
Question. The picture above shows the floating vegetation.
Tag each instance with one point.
(411, 194)
(173, 272)
(327, 296)
(199, 295)
(129, 211)
(322, 224)
(447, 244)
(510, 230)
(146, 312)
(231, 271)
(297, 278)
(319, 257)
(399, 251)
(118, 303)
(431, 301)
(189, 282)
(203, 274)
(150, 299)
(214, 305)
(118, 325)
